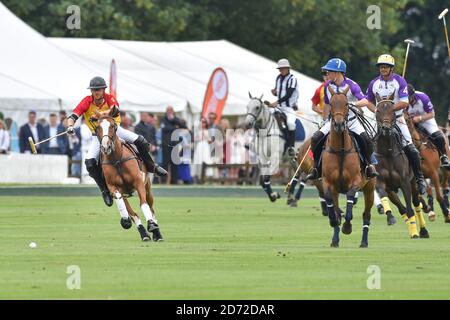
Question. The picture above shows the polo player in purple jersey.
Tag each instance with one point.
(422, 115)
(384, 85)
(338, 81)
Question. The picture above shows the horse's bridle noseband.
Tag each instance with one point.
(113, 138)
(259, 112)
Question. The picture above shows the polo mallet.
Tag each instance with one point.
(33, 145)
(442, 17)
(409, 42)
(288, 186)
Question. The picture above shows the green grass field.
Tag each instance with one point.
(215, 248)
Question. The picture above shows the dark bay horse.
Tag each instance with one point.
(393, 167)
(431, 167)
(124, 173)
(341, 172)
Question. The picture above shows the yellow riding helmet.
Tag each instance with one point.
(386, 59)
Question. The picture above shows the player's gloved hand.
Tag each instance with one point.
(70, 130)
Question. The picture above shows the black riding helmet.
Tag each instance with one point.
(97, 83)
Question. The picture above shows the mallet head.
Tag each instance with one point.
(443, 13)
(32, 146)
(409, 41)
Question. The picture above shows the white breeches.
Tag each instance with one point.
(94, 148)
(354, 126)
(290, 117)
(430, 126)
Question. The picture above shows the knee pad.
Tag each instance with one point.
(91, 166)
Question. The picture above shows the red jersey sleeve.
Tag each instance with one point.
(110, 100)
(316, 98)
(83, 106)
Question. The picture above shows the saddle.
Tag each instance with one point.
(281, 119)
(356, 144)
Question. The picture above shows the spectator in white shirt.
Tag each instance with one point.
(4, 138)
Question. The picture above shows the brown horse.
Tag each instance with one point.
(394, 169)
(125, 173)
(431, 166)
(341, 172)
(306, 166)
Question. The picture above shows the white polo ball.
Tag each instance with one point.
(33, 245)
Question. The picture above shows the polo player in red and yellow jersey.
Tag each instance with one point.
(318, 100)
(100, 101)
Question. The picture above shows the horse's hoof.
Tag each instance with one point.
(424, 233)
(347, 227)
(431, 216)
(364, 245)
(157, 236)
(143, 233)
(380, 209)
(415, 236)
(334, 244)
(293, 204)
(274, 196)
(391, 219)
(447, 219)
(126, 223)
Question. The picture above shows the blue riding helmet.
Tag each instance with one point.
(335, 64)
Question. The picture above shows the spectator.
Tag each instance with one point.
(168, 125)
(126, 121)
(31, 129)
(4, 138)
(55, 146)
(147, 129)
(202, 151)
(75, 152)
(11, 126)
(212, 116)
(183, 169)
(62, 117)
(43, 122)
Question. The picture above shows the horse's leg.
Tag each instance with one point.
(125, 220)
(423, 233)
(332, 213)
(439, 196)
(347, 226)
(265, 184)
(152, 227)
(385, 207)
(137, 221)
(298, 195)
(369, 194)
(291, 201)
(410, 216)
(323, 202)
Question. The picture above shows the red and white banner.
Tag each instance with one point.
(216, 94)
(113, 79)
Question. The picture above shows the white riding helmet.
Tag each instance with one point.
(386, 59)
(283, 63)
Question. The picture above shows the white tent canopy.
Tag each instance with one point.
(51, 74)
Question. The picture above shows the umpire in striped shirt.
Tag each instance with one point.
(286, 89)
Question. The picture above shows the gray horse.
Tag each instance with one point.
(270, 142)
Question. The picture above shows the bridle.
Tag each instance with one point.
(112, 138)
(381, 124)
(338, 128)
(256, 116)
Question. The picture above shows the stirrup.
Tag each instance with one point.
(313, 174)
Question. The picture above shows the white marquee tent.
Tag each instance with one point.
(51, 74)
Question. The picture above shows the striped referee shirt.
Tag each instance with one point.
(287, 90)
